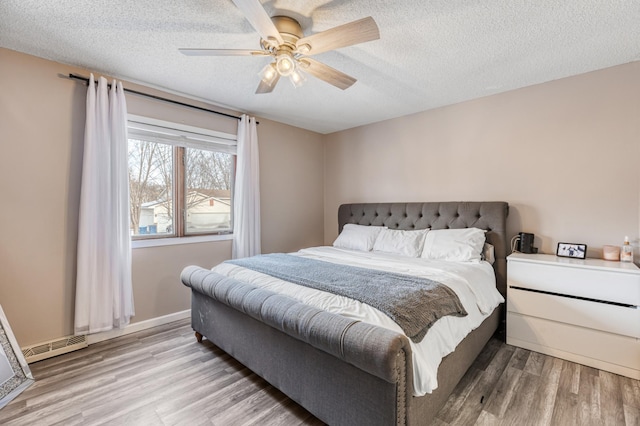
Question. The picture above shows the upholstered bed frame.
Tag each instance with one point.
(342, 371)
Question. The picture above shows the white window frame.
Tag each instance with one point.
(186, 136)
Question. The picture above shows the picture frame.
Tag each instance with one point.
(573, 250)
(15, 375)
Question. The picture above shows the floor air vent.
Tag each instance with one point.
(54, 347)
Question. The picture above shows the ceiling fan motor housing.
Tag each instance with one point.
(291, 32)
(289, 29)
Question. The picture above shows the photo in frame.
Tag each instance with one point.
(15, 375)
(574, 250)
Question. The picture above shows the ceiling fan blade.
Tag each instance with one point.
(266, 87)
(326, 73)
(223, 52)
(259, 19)
(355, 32)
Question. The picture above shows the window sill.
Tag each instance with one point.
(159, 242)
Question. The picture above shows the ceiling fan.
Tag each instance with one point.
(282, 39)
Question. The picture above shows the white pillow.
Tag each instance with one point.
(406, 243)
(460, 245)
(358, 237)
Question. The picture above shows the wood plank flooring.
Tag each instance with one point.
(162, 376)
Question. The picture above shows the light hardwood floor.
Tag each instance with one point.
(162, 376)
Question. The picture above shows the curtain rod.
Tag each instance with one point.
(86, 80)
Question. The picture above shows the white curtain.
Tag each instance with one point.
(246, 203)
(104, 296)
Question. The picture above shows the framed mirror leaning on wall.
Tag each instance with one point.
(15, 375)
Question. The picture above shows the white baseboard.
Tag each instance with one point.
(138, 326)
(71, 343)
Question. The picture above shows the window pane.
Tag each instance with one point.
(208, 177)
(151, 188)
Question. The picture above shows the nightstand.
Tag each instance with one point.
(585, 311)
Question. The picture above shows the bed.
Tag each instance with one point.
(342, 370)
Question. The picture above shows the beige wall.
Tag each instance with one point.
(291, 185)
(564, 154)
(41, 132)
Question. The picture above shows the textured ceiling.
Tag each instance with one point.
(430, 54)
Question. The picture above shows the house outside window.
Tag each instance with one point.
(180, 179)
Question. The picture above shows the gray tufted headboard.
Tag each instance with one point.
(489, 215)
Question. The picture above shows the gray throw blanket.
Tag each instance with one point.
(414, 303)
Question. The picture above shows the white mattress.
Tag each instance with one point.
(473, 282)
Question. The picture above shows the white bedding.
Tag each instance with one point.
(473, 282)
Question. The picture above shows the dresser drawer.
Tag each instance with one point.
(611, 352)
(598, 316)
(595, 284)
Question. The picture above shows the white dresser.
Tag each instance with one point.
(586, 311)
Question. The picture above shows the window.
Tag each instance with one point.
(180, 179)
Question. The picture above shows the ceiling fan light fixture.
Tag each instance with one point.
(285, 64)
(269, 73)
(297, 78)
